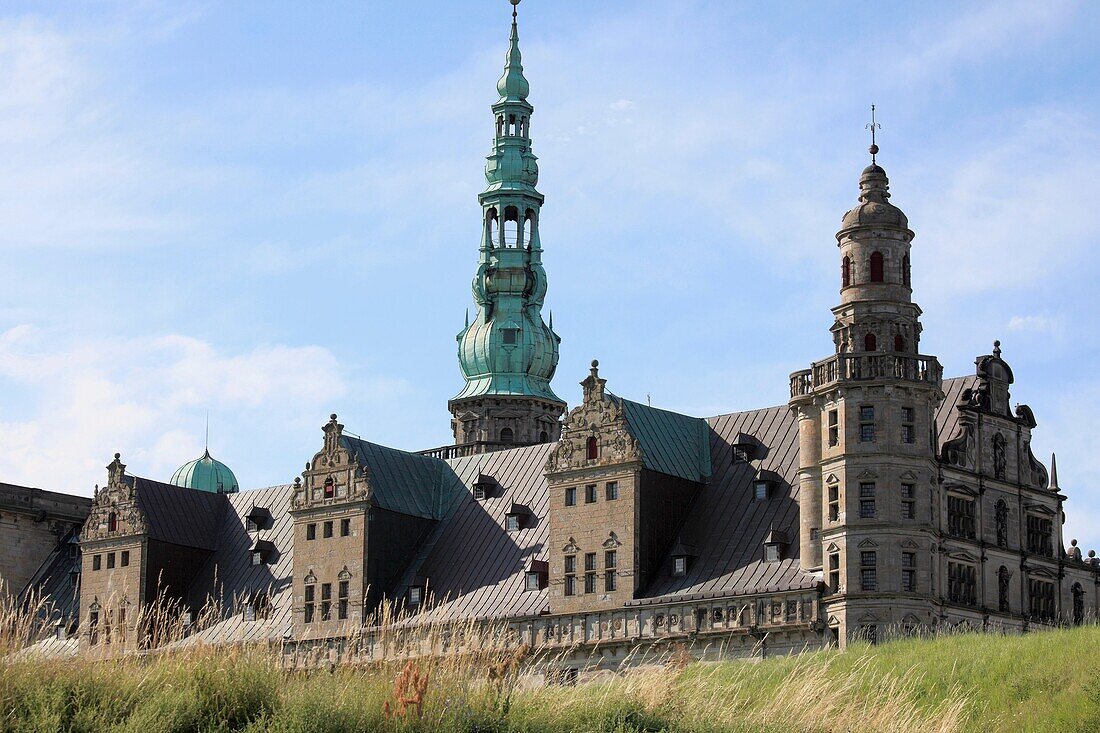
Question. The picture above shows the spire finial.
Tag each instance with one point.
(872, 126)
(1053, 472)
(997, 349)
(208, 432)
(515, 7)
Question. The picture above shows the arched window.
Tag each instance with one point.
(511, 226)
(1001, 520)
(544, 437)
(491, 227)
(899, 342)
(593, 448)
(876, 267)
(870, 343)
(846, 272)
(1078, 604)
(500, 125)
(112, 522)
(528, 227)
(1002, 590)
(506, 435)
(905, 277)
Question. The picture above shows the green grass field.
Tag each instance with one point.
(1044, 682)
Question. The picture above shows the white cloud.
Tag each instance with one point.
(144, 396)
(1037, 324)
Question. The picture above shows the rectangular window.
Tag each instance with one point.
(328, 529)
(311, 531)
(1041, 599)
(571, 496)
(834, 503)
(570, 585)
(310, 591)
(510, 335)
(415, 595)
(250, 525)
(908, 429)
(1039, 533)
(124, 559)
(589, 582)
(960, 517)
(590, 494)
(909, 571)
(760, 490)
(834, 572)
(868, 570)
(326, 601)
(257, 558)
(93, 626)
(679, 565)
(97, 562)
(589, 561)
(610, 558)
(908, 501)
(866, 500)
(866, 424)
(834, 428)
(342, 594)
(479, 492)
(511, 522)
(110, 560)
(611, 491)
(345, 527)
(326, 591)
(532, 582)
(771, 552)
(961, 583)
(570, 564)
(609, 583)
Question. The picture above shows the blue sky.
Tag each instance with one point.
(268, 211)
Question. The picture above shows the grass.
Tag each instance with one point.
(1045, 682)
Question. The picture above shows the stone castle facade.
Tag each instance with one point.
(882, 499)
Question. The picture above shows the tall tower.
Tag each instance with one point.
(508, 354)
(867, 469)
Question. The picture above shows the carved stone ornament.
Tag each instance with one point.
(599, 416)
(334, 476)
(119, 498)
(959, 450)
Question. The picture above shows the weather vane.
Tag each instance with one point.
(872, 126)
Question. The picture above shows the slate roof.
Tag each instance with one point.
(671, 443)
(228, 578)
(179, 515)
(404, 482)
(947, 417)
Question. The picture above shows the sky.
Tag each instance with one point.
(267, 212)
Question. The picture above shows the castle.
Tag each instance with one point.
(881, 499)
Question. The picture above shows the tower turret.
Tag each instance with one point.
(508, 354)
(867, 462)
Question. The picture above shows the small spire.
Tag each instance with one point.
(208, 433)
(551, 320)
(872, 126)
(513, 85)
(467, 318)
(1053, 472)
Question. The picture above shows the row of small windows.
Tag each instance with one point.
(329, 490)
(507, 435)
(870, 342)
(327, 529)
(591, 572)
(907, 435)
(513, 126)
(123, 560)
(514, 232)
(868, 571)
(961, 522)
(322, 610)
(868, 507)
(876, 267)
(591, 493)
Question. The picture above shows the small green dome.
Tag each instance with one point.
(206, 474)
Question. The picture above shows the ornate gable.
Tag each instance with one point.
(334, 476)
(115, 511)
(595, 432)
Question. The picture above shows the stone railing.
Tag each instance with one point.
(461, 450)
(865, 366)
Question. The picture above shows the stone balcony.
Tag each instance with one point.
(864, 367)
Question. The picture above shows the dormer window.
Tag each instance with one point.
(682, 556)
(536, 576)
(261, 551)
(760, 490)
(763, 485)
(516, 517)
(744, 448)
(256, 519)
(483, 487)
(414, 596)
(774, 546)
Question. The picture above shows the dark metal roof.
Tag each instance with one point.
(404, 482)
(947, 416)
(179, 515)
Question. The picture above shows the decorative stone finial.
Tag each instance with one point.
(1053, 472)
(118, 456)
(595, 363)
(997, 349)
(332, 417)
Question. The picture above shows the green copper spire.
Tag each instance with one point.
(507, 349)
